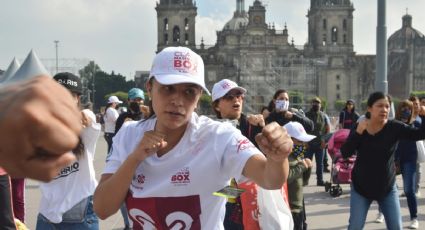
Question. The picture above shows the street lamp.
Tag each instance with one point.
(93, 81)
(56, 46)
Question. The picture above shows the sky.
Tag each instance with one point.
(120, 35)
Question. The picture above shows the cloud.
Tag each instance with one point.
(121, 35)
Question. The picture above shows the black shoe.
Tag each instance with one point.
(326, 170)
(320, 183)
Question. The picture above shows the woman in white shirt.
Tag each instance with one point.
(110, 118)
(167, 167)
(66, 201)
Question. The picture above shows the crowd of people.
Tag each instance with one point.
(169, 167)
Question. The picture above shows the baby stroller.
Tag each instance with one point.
(341, 168)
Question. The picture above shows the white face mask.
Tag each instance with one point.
(282, 105)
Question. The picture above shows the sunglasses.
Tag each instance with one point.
(230, 97)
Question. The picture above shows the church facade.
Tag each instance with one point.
(262, 59)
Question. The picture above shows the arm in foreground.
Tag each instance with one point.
(39, 125)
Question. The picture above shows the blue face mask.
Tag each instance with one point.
(405, 115)
(298, 151)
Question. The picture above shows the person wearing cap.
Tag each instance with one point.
(316, 147)
(136, 109)
(348, 116)
(298, 165)
(110, 117)
(168, 166)
(281, 113)
(67, 200)
(227, 102)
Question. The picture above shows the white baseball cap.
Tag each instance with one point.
(297, 131)
(114, 99)
(175, 65)
(224, 86)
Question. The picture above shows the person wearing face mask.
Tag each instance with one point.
(281, 113)
(136, 108)
(417, 121)
(298, 165)
(316, 147)
(406, 154)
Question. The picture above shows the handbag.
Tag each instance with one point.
(274, 213)
(421, 151)
(78, 212)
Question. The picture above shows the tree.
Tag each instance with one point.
(103, 83)
(205, 105)
(339, 105)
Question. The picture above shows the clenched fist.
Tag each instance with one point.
(151, 142)
(274, 142)
(39, 126)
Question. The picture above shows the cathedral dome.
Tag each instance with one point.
(406, 33)
(237, 22)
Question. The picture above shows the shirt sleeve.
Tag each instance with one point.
(350, 146)
(237, 152)
(111, 115)
(407, 132)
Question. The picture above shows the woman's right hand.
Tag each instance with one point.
(151, 142)
(361, 127)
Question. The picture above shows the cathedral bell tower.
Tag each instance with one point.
(330, 26)
(176, 23)
(257, 15)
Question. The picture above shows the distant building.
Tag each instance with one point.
(406, 60)
(252, 52)
(140, 78)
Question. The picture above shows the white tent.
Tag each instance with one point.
(11, 70)
(30, 68)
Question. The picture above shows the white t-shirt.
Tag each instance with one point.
(177, 188)
(111, 116)
(75, 182)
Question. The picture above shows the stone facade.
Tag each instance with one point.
(406, 60)
(262, 59)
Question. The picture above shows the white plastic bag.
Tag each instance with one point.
(274, 213)
(421, 151)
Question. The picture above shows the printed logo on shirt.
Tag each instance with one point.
(165, 212)
(68, 170)
(244, 144)
(181, 177)
(138, 181)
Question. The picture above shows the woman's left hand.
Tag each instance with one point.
(257, 120)
(274, 142)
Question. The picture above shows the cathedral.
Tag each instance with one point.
(262, 59)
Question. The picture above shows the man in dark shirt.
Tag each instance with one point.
(316, 146)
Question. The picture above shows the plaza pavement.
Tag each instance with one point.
(323, 211)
